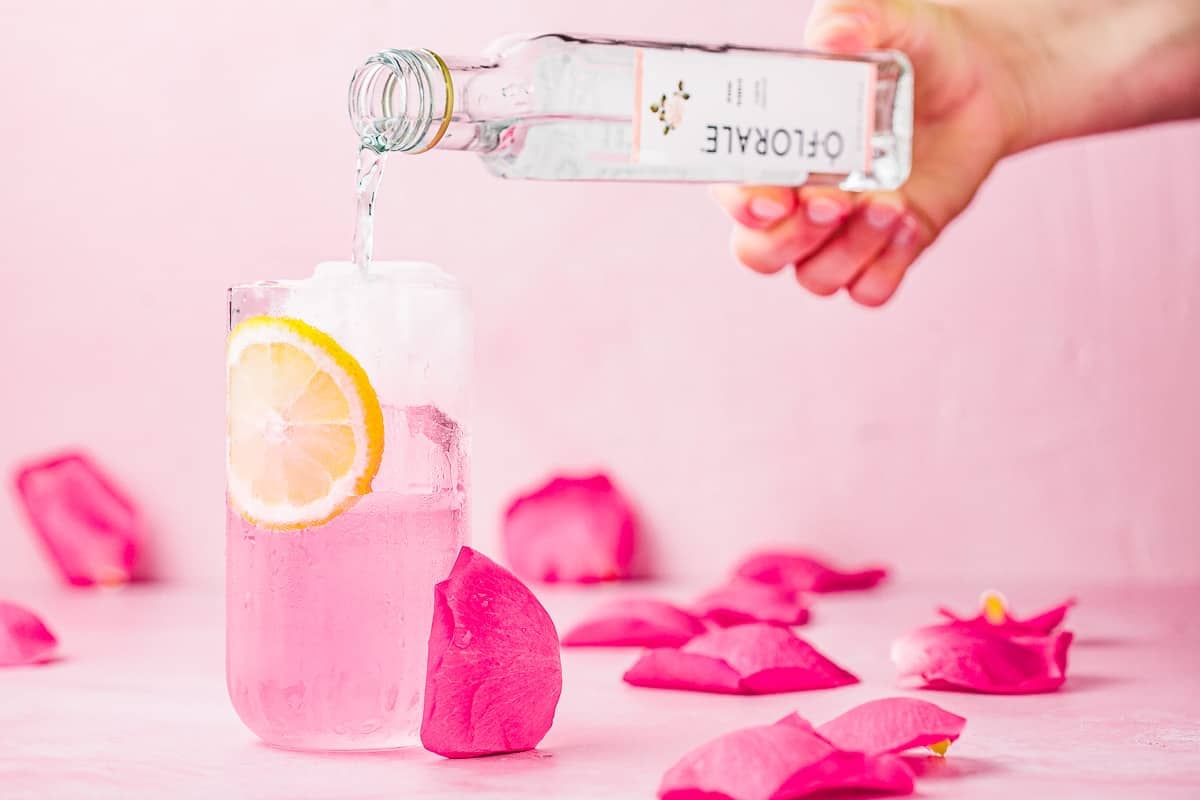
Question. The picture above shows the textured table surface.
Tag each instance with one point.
(136, 708)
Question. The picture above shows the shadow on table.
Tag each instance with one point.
(395, 754)
(1086, 683)
(489, 773)
(1098, 642)
(937, 767)
(44, 661)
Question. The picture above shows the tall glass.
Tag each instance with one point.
(328, 620)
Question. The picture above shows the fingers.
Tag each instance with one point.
(844, 256)
(756, 207)
(848, 26)
(833, 242)
(802, 232)
(878, 282)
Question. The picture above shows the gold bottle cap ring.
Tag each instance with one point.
(437, 137)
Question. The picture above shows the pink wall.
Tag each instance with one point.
(1029, 404)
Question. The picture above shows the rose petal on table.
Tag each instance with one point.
(1046, 621)
(994, 614)
(746, 659)
(797, 721)
(578, 530)
(847, 773)
(671, 668)
(967, 658)
(635, 622)
(24, 638)
(742, 601)
(803, 572)
(494, 673)
(746, 764)
(778, 762)
(87, 525)
(892, 725)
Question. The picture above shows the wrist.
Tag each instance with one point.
(1081, 67)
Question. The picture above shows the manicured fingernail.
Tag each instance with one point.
(881, 215)
(823, 211)
(906, 234)
(766, 209)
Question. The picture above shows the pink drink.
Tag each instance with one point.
(328, 626)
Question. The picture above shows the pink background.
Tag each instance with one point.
(1027, 405)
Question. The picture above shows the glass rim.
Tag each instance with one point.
(410, 274)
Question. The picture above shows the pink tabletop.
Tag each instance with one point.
(136, 708)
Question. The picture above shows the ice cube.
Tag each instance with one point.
(335, 271)
(89, 527)
(398, 273)
(423, 452)
(405, 323)
(443, 456)
(435, 425)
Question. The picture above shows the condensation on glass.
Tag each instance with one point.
(328, 625)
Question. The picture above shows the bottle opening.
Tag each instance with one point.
(399, 100)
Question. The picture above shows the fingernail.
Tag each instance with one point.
(823, 211)
(766, 209)
(849, 19)
(907, 233)
(846, 21)
(881, 216)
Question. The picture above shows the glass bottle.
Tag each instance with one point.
(560, 107)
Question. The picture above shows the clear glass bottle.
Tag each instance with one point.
(559, 107)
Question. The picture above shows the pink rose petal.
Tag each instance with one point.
(24, 639)
(1046, 621)
(856, 772)
(778, 762)
(747, 659)
(87, 525)
(635, 622)
(956, 656)
(747, 764)
(892, 725)
(742, 601)
(804, 573)
(670, 668)
(494, 673)
(797, 721)
(573, 530)
(994, 615)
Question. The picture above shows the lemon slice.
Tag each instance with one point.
(305, 427)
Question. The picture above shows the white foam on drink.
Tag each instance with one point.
(405, 322)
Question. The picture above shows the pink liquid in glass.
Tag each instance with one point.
(327, 627)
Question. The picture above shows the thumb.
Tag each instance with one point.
(849, 26)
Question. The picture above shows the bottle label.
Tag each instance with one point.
(696, 108)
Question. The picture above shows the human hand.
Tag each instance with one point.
(967, 108)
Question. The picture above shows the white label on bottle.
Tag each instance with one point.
(769, 112)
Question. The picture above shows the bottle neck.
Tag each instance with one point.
(411, 101)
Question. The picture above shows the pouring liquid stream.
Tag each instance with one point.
(369, 174)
